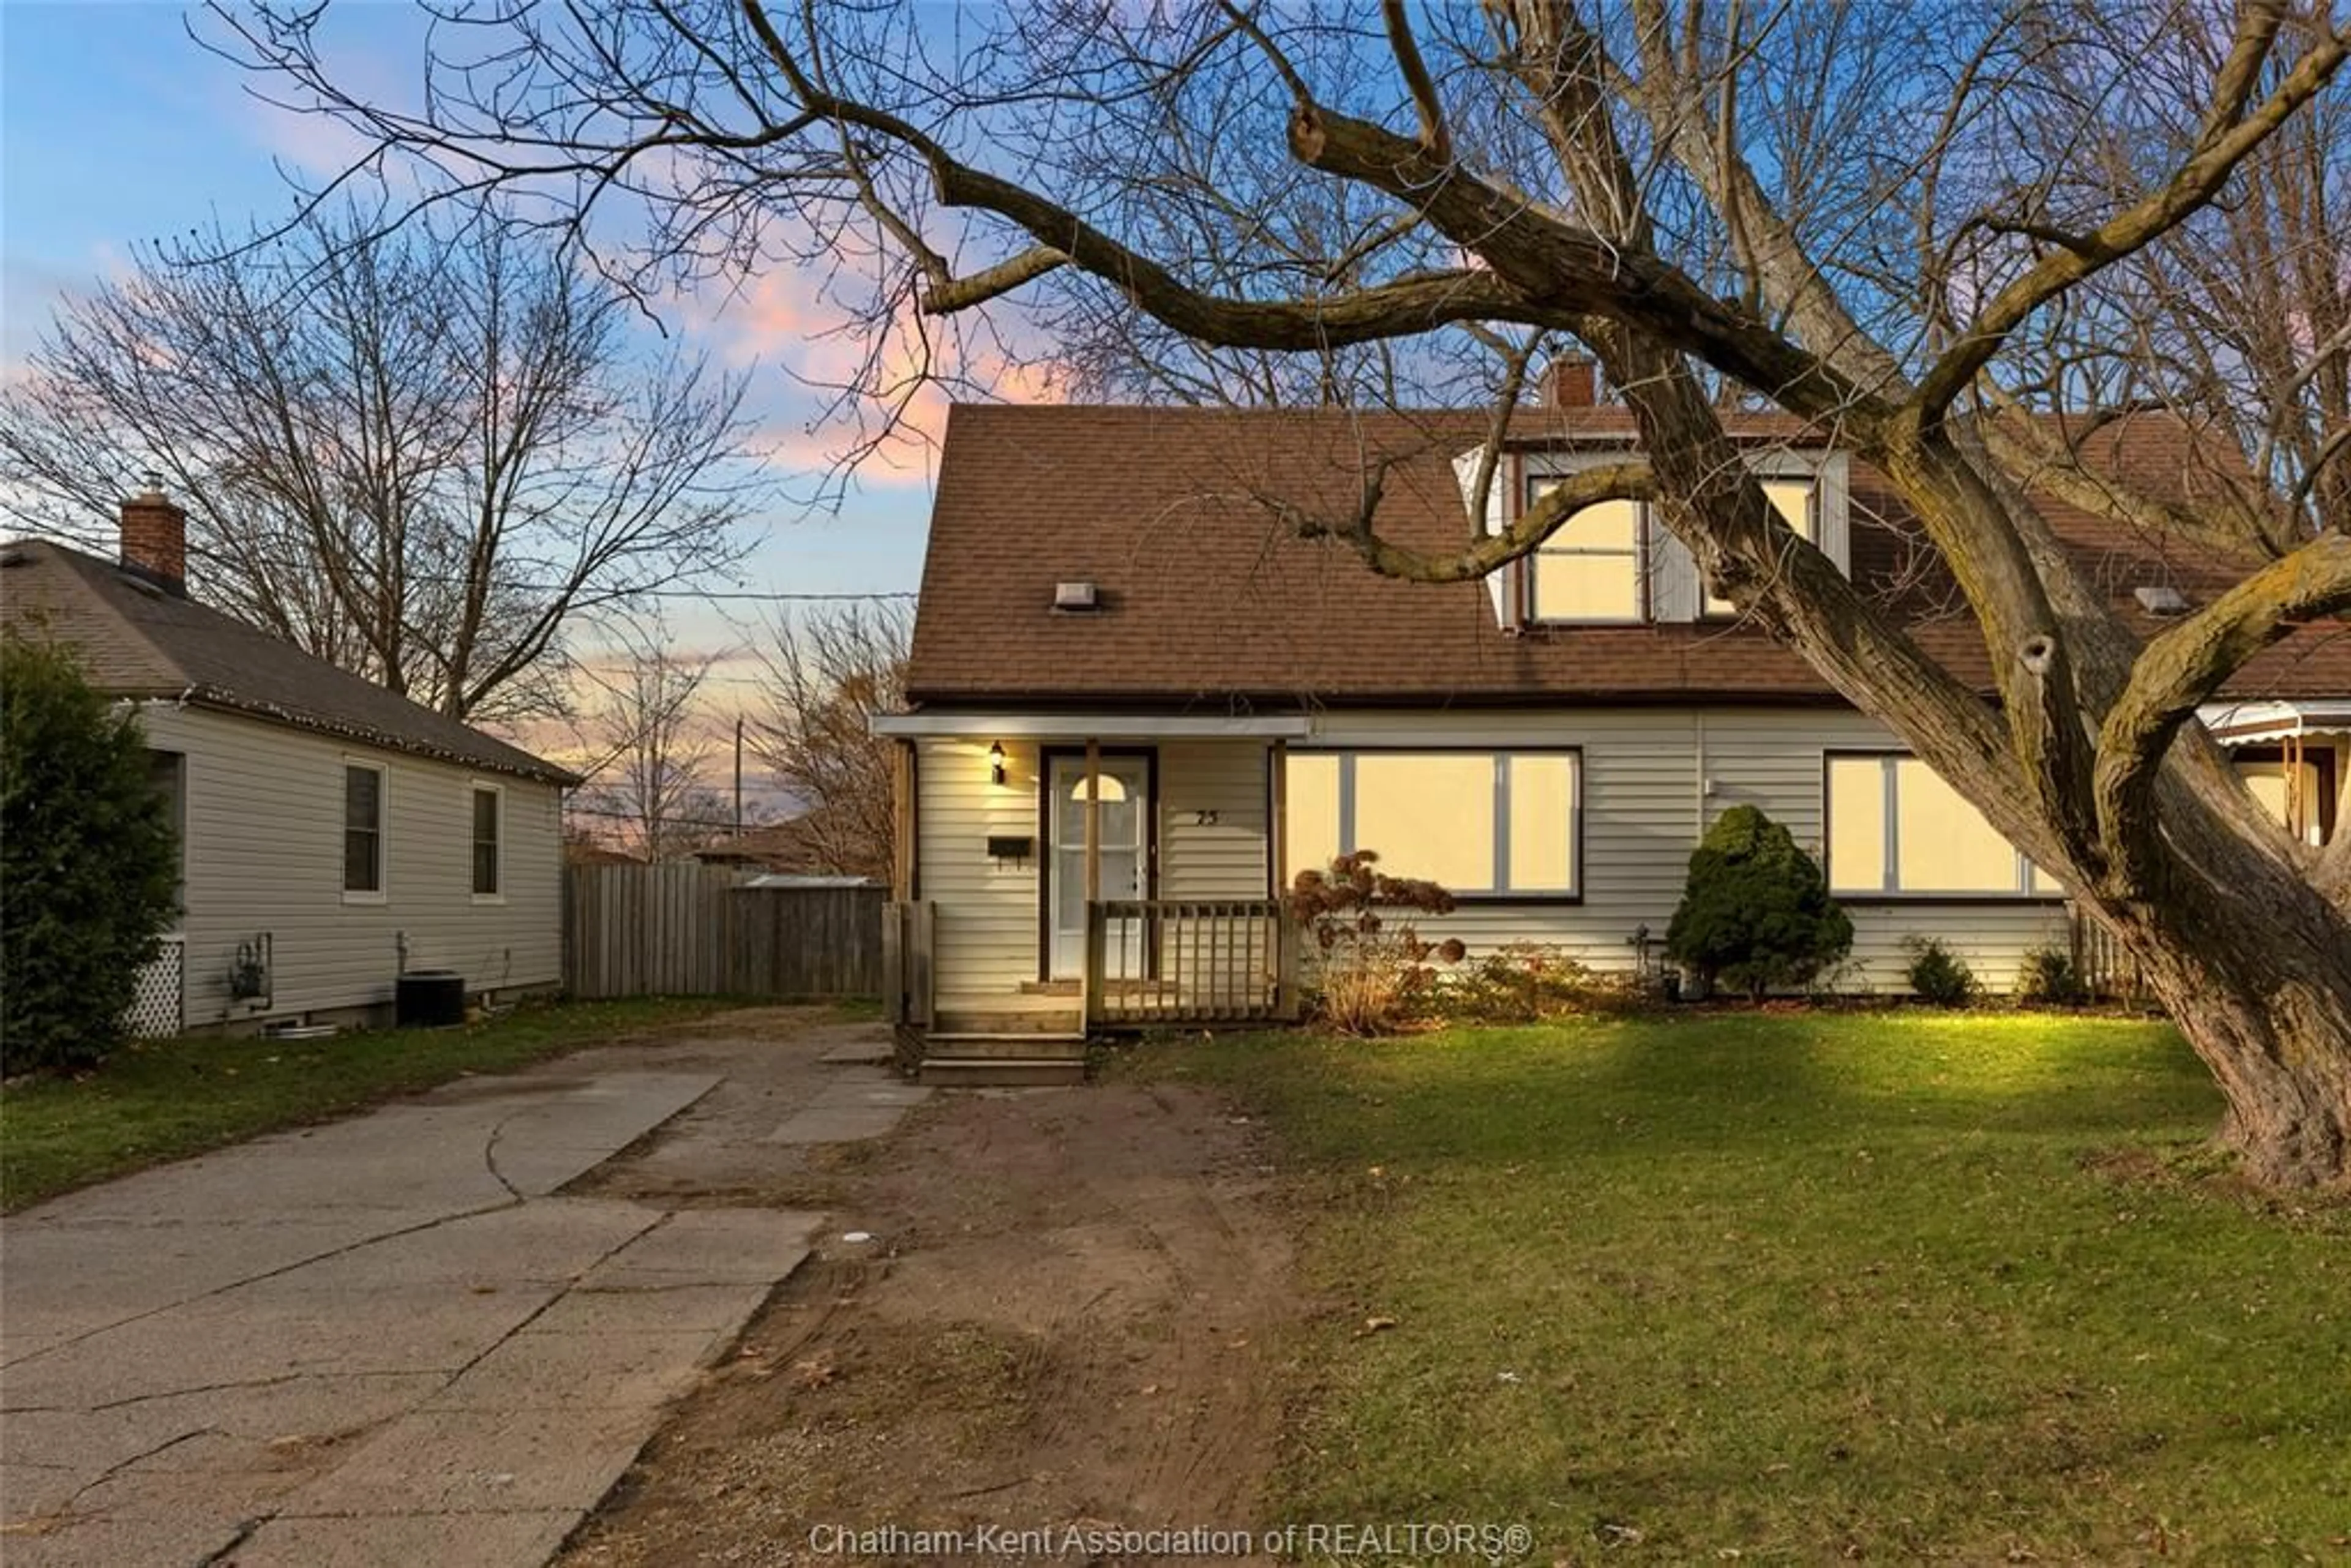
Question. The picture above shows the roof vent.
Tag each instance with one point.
(1077, 598)
(2163, 600)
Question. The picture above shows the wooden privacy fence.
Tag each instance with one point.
(683, 929)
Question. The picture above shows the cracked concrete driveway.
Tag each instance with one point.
(396, 1338)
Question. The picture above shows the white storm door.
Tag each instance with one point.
(1126, 807)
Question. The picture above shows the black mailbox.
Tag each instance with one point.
(1009, 849)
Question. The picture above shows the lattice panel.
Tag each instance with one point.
(155, 1012)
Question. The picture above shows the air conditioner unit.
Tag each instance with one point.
(1077, 598)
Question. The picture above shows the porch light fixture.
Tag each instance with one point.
(995, 763)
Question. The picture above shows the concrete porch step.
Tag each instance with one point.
(1002, 1071)
(1000, 1021)
(1037, 1046)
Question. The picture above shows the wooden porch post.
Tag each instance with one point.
(2293, 752)
(902, 822)
(1277, 836)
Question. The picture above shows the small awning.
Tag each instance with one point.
(1089, 727)
(2265, 723)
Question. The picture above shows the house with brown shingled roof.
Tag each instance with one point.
(1143, 699)
(334, 835)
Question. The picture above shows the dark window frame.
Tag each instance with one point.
(376, 889)
(495, 844)
(2025, 893)
(1530, 565)
(1480, 897)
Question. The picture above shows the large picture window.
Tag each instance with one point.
(1794, 501)
(1488, 823)
(1589, 569)
(1895, 829)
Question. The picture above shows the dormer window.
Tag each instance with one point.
(1614, 563)
(1589, 570)
(1797, 500)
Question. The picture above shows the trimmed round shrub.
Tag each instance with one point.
(1937, 974)
(1756, 915)
(2047, 978)
(89, 862)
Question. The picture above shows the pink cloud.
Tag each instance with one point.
(876, 401)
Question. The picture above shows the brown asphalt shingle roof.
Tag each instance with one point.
(136, 640)
(1211, 603)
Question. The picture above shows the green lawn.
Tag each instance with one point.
(1800, 1289)
(164, 1099)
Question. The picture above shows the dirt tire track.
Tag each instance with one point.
(1081, 1311)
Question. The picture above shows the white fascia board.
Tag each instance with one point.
(1088, 726)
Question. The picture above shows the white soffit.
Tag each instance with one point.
(1085, 726)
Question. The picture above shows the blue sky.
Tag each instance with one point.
(116, 127)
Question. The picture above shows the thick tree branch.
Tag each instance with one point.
(2185, 665)
(1573, 492)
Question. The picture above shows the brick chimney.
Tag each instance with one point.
(155, 539)
(1573, 381)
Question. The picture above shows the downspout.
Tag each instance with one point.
(1698, 801)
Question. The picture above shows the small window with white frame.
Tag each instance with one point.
(1893, 829)
(489, 841)
(1796, 497)
(363, 832)
(1590, 569)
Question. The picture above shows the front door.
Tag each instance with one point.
(1124, 797)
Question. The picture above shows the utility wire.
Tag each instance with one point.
(756, 596)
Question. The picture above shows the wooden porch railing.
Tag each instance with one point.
(1189, 961)
(2108, 971)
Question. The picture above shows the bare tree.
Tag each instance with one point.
(1902, 225)
(420, 454)
(652, 752)
(827, 673)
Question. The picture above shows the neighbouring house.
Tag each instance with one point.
(582, 851)
(809, 844)
(786, 847)
(1117, 629)
(333, 835)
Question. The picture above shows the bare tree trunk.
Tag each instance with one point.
(2257, 976)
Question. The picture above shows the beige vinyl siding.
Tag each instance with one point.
(1225, 857)
(1650, 781)
(985, 910)
(263, 852)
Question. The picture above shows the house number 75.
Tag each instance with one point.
(1203, 819)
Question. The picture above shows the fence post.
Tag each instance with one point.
(1090, 983)
(897, 1005)
(1286, 932)
(926, 968)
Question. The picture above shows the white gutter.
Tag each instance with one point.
(1084, 726)
(2256, 723)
